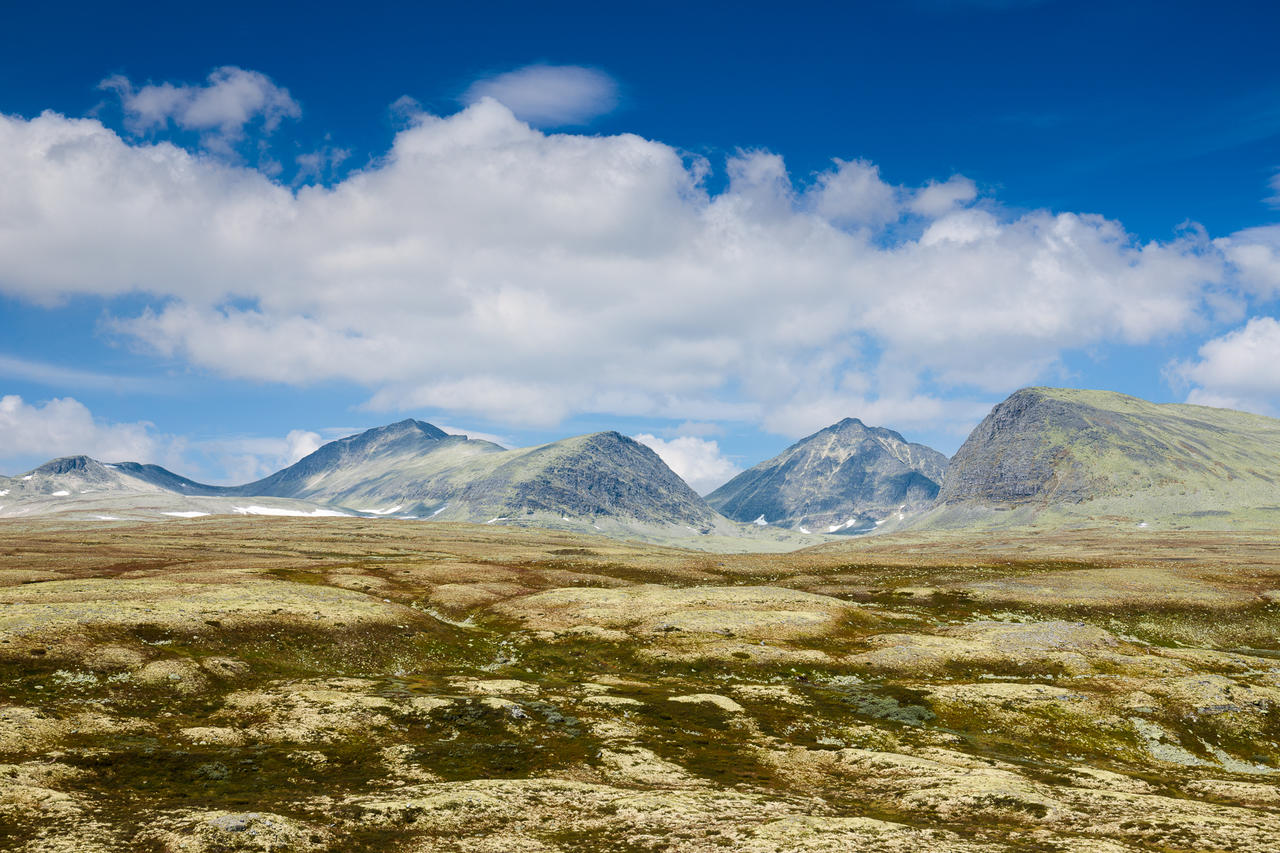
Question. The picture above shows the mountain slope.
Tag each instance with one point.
(847, 476)
(375, 469)
(604, 475)
(76, 475)
(1053, 452)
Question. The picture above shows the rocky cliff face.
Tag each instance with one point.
(847, 476)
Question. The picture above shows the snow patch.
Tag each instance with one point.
(760, 521)
(28, 477)
(105, 518)
(275, 510)
(1142, 524)
(498, 518)
(3, 492)
(805, 530)
(395, 508)
(61, 493)
(186, 514)
(434, 514)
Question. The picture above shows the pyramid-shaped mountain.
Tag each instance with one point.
(843, 478)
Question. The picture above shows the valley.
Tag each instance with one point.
(340, 684)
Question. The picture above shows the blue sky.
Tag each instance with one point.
(228, 233)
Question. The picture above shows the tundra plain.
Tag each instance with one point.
(291, 684)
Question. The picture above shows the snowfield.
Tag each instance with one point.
(275, 510)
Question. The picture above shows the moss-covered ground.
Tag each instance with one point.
(338, 685)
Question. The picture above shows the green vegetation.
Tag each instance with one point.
(341, 685)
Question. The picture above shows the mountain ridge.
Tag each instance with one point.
(844, 477)
(1085, 454)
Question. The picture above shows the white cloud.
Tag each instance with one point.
(230, 100)
(65, 427)
(696, 428)
(300, 443)
(853, 194)
(549, 95)
(697, 461)
(1236, 370)
(935, 199)
(233, 461)
(1274, 199)
(1255, 254)
(489, 270)
(63, 377)
(32, 433)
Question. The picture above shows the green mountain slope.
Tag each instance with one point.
(1072, 455)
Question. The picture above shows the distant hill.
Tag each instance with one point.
(1069, 455)
(844, 478)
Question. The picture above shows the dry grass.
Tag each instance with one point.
(341, 684)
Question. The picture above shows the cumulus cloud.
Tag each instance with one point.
(853, 194)
(697, 461)
(233, 461)
(1255, 255)
(64, 427)
(34, 432)
(1237, 370)
(549, 95)
(935, 198)
(487, 269)
(220, 110)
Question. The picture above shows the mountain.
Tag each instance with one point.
(846, 477)
(1055, 454)
(376, 470)
(413, 468)
(77, 475)
(602, 476)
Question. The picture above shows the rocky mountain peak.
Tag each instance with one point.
(69, 465)
(844, 477)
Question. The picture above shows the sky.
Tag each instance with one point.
(233, 232)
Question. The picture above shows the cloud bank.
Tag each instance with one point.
(485, 268)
